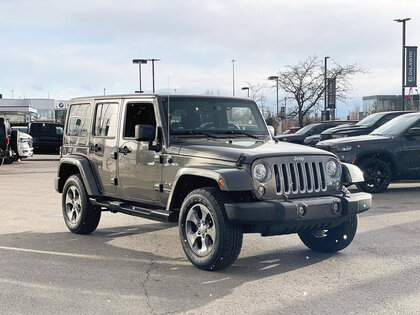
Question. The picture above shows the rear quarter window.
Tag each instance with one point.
(78, 120)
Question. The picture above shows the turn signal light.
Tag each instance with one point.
(7, 140)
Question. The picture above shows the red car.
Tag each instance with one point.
(291, 130)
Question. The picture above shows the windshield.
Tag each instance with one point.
(395, 126)
(370, 120)
(43, 129)
(305, 129)
(201, 116)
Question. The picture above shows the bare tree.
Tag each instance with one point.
(304, 83)
(256, 92)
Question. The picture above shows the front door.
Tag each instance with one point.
(410, 155)
(103, 144)
(139, 168)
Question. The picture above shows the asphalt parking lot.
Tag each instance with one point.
(133, 265)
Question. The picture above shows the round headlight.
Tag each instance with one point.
(332, 168)
(260, 172)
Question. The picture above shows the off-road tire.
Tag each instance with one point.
(227, 237)
(80, 216)
(377, 175)
(331, 240)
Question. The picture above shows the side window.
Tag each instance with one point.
(78, 122)
(59, 131)
(138, 114)
(106, 116)
(388, 118)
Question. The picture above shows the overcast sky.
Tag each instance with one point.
(66, 49)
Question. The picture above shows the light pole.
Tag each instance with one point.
(233, 76)
(153, 71)
(403, 57)
(325, 88)
(274, 77)
(139, 62)
(246, 88)
(12, 93)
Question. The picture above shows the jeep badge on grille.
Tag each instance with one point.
(299, 158)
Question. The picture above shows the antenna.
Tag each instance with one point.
(169, 124)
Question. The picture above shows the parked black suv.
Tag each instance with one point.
(363, 127)
(208, 163)
(390, 153)
(310, 130)
(8, 142)
(46, 136)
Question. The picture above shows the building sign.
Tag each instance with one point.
(411, 66)
(60, 104)
(331, 93)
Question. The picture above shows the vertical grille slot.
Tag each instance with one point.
(323, 182)
(286, 186)
(316, 179)
(301, 178)
(293, 177)
(277, 176)
(308, 172)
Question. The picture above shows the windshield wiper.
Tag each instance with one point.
(239, 132)
(193, 132)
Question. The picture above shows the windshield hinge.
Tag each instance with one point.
(240, 160)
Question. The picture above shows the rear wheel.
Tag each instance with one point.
(80, 215)
(377, 174)
(331, 240)
(209, 240)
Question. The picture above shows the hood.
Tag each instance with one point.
(291, 137)
(351, 140)
(24, 135)
(230, 150)
(355, 129)
(338, 128)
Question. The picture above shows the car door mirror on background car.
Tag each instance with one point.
(144, 132)
(413, 131)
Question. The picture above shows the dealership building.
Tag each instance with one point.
(384, 103)
(30, 109)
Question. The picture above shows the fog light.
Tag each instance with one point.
(261, 191)
(335, 208)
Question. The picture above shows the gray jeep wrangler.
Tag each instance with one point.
(208, 163)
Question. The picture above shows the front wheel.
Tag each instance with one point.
(209, 240)
(80, 215)
(377, 175)
(331, 240)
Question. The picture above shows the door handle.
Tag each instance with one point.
(124, 150)
(95, 148)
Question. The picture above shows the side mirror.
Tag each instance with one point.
(310, 133)
(413, 131)
(144, 133)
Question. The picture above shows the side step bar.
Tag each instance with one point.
(123, 207)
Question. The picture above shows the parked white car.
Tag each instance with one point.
(25, 145)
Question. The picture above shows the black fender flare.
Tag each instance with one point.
(229, 179)
(66, 168)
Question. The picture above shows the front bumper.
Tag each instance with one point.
(5, 153)
(275, 217)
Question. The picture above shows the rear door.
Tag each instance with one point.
(103, 143)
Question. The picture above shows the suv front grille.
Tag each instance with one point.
(299, 177)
